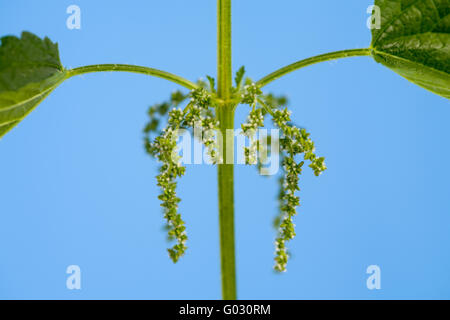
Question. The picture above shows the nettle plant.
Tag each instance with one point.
(411, 38)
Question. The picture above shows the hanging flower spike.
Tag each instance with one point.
(295, 141)
(164, 148)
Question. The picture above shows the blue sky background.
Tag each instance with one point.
(77, 187)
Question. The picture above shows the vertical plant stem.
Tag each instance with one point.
(224, 75)
(225, 114)
(226, 209)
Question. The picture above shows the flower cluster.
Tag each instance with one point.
(156, 113)
(164, 147)
(250, 93)
(200, 115)
(261, 104)
(295, 141)
(254, 121)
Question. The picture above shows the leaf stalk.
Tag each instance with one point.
(135, 69)
(310, 61)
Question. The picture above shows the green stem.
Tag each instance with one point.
(225, 115)
(225, 173)
(224, 73)
(307, 62)
(135, 69)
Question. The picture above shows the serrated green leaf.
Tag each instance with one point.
(414, 41)
(212, 83)
(239, 75)
(30, 70)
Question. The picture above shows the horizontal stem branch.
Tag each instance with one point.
(135, 69)
(307, 62)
